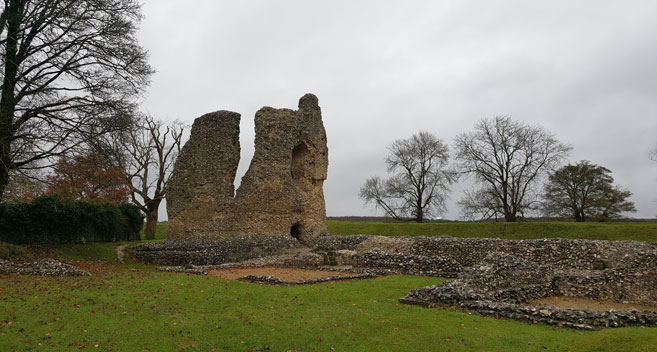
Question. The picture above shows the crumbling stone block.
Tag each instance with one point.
(282, 191)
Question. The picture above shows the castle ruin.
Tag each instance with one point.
(282, 191)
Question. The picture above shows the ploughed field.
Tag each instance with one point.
(134, 307)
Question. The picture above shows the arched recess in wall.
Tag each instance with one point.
(301, 162)
(301, 172)
(295, 230)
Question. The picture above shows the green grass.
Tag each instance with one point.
(103, 251)
(99, 251)
(132, 307)
(614, 231)
(15, 253)
(123, 310)
(639, 231)
(160, 231)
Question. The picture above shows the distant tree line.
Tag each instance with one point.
(508, 161)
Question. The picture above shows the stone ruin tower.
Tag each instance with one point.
(282, 191)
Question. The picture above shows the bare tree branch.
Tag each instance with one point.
(507, 158)
(419, 183)
(146, 154)
(71, 70)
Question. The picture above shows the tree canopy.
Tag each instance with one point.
(69, 71)
(585, 190)
(88, 177)
(419, 183)
(506, 158)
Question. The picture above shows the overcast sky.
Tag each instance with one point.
(383, 70)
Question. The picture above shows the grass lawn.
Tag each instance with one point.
(132, 307)
(637, 231)
(160, 231)
(119, 309)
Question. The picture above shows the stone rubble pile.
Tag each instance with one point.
(44, 267)
(272, 280)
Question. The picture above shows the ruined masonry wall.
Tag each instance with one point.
(282, 191)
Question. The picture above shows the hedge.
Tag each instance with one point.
(53, 219)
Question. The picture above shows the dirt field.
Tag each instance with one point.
(285, 274)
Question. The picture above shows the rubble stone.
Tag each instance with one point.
(43, 267)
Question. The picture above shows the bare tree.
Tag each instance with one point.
(146, 154)
(419, 183)
(507, 157)
(585, 190)
(481, 204)
(69, 70)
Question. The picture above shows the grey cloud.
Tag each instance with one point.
(383, 70)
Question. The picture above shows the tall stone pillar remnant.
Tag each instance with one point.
(282, 191)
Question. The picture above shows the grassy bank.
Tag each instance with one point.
(645, 231)
(100, 252)
(160, 231)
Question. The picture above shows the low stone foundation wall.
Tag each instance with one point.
(502, 284)
(213, 251)
(573, 318)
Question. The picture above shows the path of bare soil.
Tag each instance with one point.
(120, 253)
(589, 304)
(284, 274)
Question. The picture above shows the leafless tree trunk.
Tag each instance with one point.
(70, 70)
(419, 184)
(507, 158)
(147, 155)
(481, 204)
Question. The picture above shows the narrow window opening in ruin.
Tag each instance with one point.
(300, 155)
(295, 230)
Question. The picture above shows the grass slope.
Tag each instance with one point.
(15, 253)
(513, 231)
(128, 310)
(160, 231)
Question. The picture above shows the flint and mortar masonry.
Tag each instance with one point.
(280, 194)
